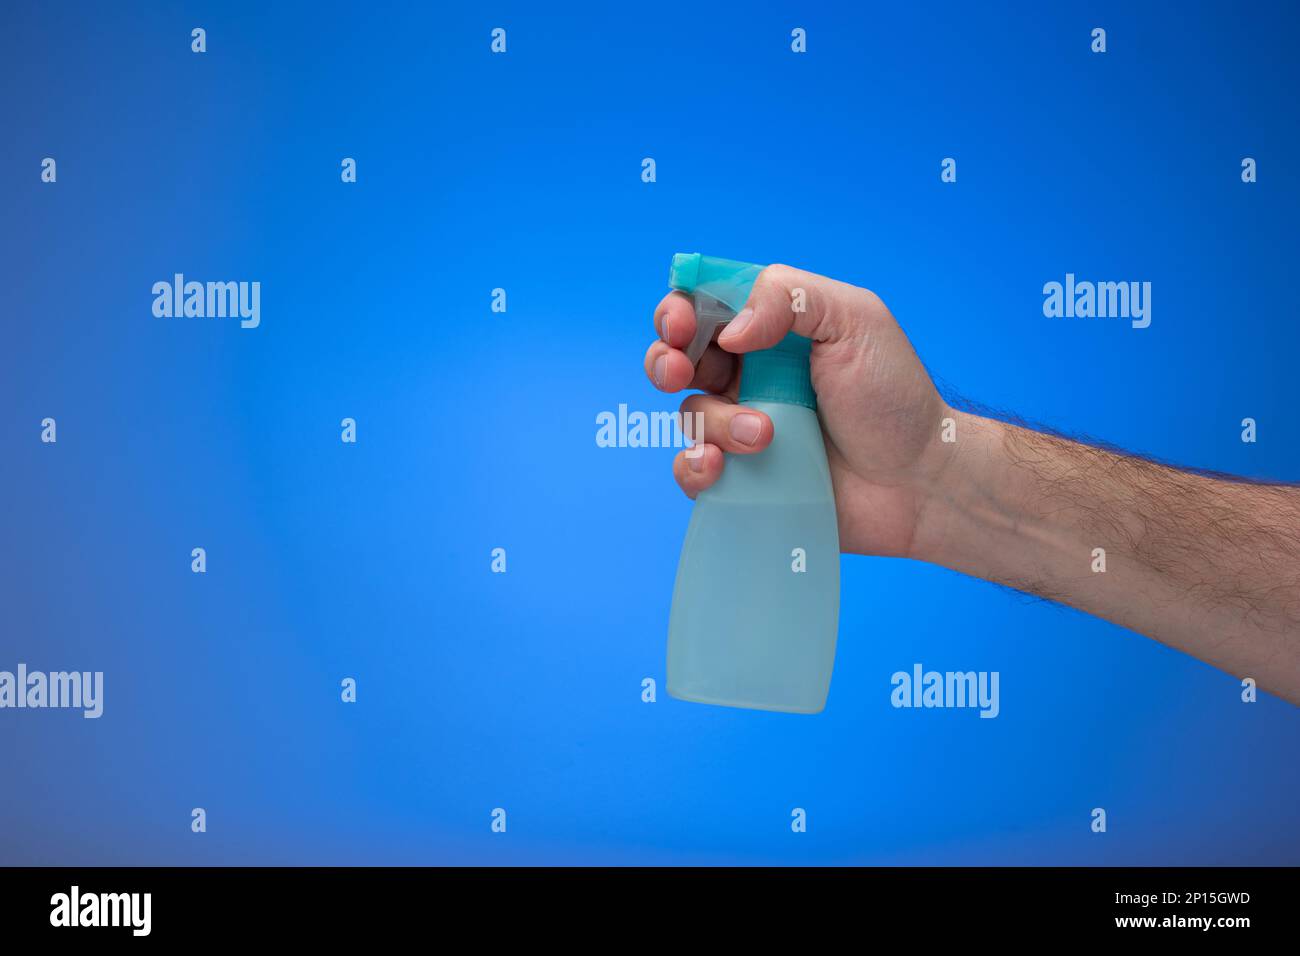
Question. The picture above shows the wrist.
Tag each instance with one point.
(995, 511)
(947, 486)
(981, 513)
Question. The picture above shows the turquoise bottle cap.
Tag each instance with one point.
(726, 280)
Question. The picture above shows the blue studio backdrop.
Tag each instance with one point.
(524, 171)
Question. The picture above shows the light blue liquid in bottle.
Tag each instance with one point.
(756, 603)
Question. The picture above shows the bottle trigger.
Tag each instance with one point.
(711, 315)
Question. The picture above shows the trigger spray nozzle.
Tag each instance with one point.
(719, 289)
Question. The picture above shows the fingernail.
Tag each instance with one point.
(738, 324)
(746, 428)
(695, 462)
(659, 369)
(668, 337)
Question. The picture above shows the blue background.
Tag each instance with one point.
(476, 429)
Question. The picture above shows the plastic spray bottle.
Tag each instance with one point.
(757, 599)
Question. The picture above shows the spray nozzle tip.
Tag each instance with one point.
(685, 272)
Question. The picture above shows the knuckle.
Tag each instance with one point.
(777, 273)
(769, 279)
(866, 296)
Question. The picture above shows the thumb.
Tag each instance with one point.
(785, 300)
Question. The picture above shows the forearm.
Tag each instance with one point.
(1208, 566)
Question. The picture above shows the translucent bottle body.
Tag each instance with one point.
(756, 603)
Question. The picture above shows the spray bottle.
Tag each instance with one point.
(756, 604)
